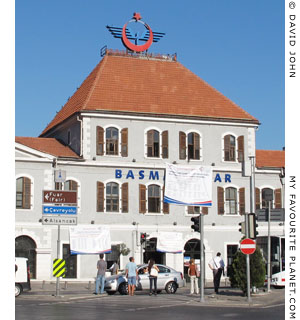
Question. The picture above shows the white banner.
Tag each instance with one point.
(89, 240)
(188, 185)
(169, 242)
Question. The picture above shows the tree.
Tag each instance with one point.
(238, 274)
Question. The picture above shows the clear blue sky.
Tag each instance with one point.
(236, 46)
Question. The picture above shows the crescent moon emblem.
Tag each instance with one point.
(135, 47)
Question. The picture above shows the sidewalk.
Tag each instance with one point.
(227, 297)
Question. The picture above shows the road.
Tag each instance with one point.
(141, 306)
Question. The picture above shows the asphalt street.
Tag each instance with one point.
(77, 305)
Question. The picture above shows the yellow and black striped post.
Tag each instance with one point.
(59, 268)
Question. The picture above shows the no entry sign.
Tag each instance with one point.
(248, 246)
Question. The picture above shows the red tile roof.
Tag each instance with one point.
(270, 159)
(47, 145)
(152, 86)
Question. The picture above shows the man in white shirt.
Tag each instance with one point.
(217, 266)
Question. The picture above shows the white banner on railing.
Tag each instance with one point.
(169, 242)
(188, 185)
(89, 239)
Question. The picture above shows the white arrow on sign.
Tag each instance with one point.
(47, 196)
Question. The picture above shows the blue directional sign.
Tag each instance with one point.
(59, 210)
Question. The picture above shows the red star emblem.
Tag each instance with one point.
(137, 16)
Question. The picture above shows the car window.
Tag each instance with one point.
(163, 269)
(142, 270)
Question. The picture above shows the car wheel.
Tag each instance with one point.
(18, 290)
(171, 287)
(123, 288)
(111, 292)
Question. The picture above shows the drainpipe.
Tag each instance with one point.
(81, 133)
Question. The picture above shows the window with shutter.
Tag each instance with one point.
(125, 197)
(257, 198)
(154, 198)
(23, 193)
(100, 141)
(231, 201)
(242, 200)
(182, 145)
(153, 144)
(100, 196)
(193, 210)
(264, 202)
(278, 199)
(240, 142)
(229, 148)
(193, 146)
(112, 197)
(70, 185)
(124, 142)
(112, 141)
(142, 196)
(220, 200)
(204, 210)
(165, 144)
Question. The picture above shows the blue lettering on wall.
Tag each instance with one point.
(153, 175)
(218, 178)
(130, 175)
(141, 174)
(227, 178)
(118, 173)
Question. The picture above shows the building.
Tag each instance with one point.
(132, 115)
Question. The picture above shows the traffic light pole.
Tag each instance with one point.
(269, 248)
(202, 258)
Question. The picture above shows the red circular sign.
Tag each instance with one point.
(248, 246)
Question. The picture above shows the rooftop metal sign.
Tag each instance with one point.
(145, 35)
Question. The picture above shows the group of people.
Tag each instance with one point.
(131, 273)
(216, 265)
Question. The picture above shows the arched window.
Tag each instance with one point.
(71, 185)
(193, 146)
(23, 193)
(112, 141)
(153, 143)
(229, 148)
(264, 202)
(112, 197)
(154, 198)
(230, 200)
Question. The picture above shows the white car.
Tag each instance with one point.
(168, 279)
(22, 276)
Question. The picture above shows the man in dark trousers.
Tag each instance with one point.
(217, 266)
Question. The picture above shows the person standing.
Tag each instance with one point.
(217, 266)
(153, 273)
(131, 275)
(193, 274)
(101, 266)
(114, 268)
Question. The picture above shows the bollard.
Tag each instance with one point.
(43, 284)
(66, 283)
(90, 285)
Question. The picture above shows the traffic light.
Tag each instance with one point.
(252, 226)
(242, 229)
(143, 237)
(196, 225)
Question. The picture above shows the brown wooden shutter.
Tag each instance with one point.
(182, 145)
(124, 142)
(278, 199)
(100, 141)
(142, 192)
(240, 141)
(257, 198)
(166, 206)
(205, 210)
(100, 196)
(220, 200)
(125, 197)
(242, 200)
(165, 144)
(196, 146)
(190, 210)
(26, 193)
(150, 142)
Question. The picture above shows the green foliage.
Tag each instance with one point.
(238, 275)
